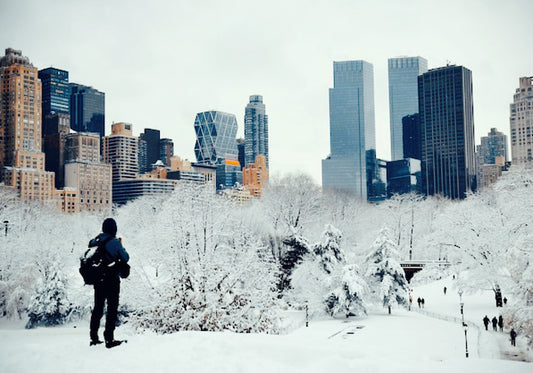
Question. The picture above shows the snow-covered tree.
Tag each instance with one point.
(217, 275)
(385, 276)
(348, 296)
(50, 304)
(325, 281)
(329, 250)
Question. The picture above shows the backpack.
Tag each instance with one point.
(94, 263)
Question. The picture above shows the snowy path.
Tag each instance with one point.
(401, 342)
(490, 344)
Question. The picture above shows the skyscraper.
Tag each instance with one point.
(411, 136)
(87, 109)
(120, 149)
(447, 131)
(166, 150)
(151, 137)
(403, 96)
(492, 146)
(56, 91)
(21, 159)
(521, 119)
(255, 130)
(215, 137)
(352, 128)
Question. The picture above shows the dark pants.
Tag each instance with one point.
(108, 291)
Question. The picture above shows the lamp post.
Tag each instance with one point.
(465, 327)
(6, 222)
(460, 292)
(306, 314)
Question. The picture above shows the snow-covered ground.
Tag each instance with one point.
(402, 342)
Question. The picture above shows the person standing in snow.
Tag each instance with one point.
(500, 323)
(513, 337)
(109, 289)
(486, 321)
(445, 290)
(495, 324)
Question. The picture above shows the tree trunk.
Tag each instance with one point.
(389, 310)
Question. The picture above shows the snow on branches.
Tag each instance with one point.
(385, 275)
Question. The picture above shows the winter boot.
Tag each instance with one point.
(95, 342)
(112, 343)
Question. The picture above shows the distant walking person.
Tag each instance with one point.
(419, 301)
(486, 321)
(495, 324)
(445, 290)
(109, 289)
(423, 302)
(513, 337)
(505, 301)
(500, 323)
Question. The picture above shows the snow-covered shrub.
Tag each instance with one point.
(385, 276)
(50, 305)
(217, 275)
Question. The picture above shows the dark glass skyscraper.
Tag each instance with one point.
(403, 96)
(255, 130)
(352, 128)
(56, 91)
(447, 131)
(87, 109)
(152, 138)
(411, 136)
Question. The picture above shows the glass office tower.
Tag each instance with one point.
(255, 130)
(447, 131)
(215, 137)
(87, 109)
(56, 91)
(352, 128)
(403, 96)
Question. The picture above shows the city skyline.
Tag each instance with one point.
(288, 62)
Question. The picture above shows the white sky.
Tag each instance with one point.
(160, 62)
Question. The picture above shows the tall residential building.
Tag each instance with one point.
(87, 109)
(352, 128)
(255, 176)
(492, 146)
(85, 172)
(56, 91)
(21, 159)
(521, 119)
(403, 96)
(215, 137)
(447, 131)
(120, 149)
(151, 137)
(255, 130)
(166, 151)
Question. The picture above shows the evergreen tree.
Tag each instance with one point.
(50, 305)
(385, 275)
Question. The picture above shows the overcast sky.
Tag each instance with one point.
(161, 62)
